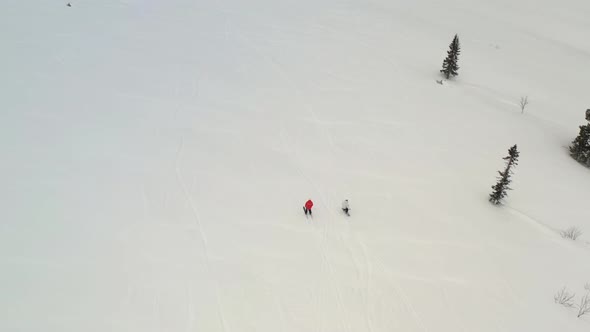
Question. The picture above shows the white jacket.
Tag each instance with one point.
(345, 204)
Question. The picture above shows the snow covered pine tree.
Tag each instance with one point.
(501, 187)
(450, 66)
(580, 148)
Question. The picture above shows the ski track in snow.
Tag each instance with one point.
(452, 307)
(278, 68)
(202, 236)
(190, 308)
(281, 309)
(551, 233)
(407, 303)
(297, 161)
(367, 284)
(324, 243)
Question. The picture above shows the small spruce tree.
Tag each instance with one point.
(502, 186)
(580, 148)
(450, 66)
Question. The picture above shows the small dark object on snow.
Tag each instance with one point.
(588, 114)
(346, 207)
(439, 82)
(69, 4)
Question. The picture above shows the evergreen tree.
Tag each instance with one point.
(502, 186)
(580, 148)
(450, 66)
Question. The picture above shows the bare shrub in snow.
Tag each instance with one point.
(584, 306)
(564, 298)
(523, 102)
(571, 233)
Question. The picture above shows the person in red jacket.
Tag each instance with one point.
(307, 207)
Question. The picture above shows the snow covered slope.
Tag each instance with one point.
(156, 155)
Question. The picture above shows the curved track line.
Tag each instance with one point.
(197, 219)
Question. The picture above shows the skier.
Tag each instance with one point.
(345, 207)
(307, 207)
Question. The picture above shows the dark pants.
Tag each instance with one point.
(307, 211)
(345, 210)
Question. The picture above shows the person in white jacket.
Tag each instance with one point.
(345, 207)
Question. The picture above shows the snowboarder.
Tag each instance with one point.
(345, 207)
(307, 207)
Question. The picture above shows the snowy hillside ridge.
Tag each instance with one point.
(156, 156)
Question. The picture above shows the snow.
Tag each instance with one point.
(156, 155)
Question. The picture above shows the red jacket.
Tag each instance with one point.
(309, 204)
